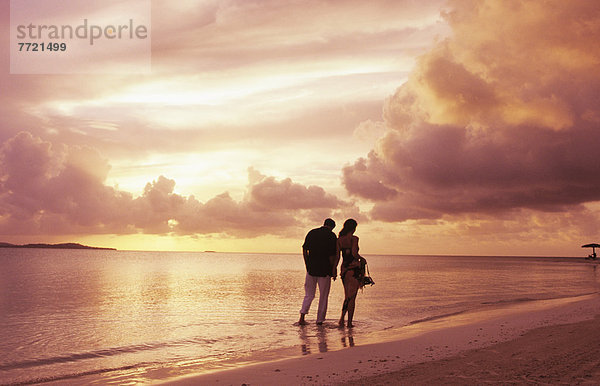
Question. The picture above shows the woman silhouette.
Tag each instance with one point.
(352, 269)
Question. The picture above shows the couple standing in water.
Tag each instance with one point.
(321, 252)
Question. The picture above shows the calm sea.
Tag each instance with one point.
(95, 316)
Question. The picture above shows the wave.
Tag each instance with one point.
(522, 300)
(494, 303)
(63, 377)
(514, 301)
(436, 317)
(102, 353)
(77, 357)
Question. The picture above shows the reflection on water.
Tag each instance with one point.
(350, 341)
(66, 313)
(324, 337)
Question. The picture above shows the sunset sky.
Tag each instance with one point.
(443, 127)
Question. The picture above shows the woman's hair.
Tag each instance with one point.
(349, 226)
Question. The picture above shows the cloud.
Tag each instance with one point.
(502, 115)
(231, 34)
(218, 66)
(58, 189)
(266, 192)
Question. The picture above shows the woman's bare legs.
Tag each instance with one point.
(351, 305)
(351, 286)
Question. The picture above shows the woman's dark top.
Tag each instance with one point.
(348, 258)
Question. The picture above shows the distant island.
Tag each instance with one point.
(53, 246)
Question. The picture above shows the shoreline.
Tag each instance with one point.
(423, 344)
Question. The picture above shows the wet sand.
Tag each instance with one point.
(547, 342)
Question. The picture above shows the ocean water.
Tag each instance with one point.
(94, 316)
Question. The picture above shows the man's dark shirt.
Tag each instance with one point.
(321, 244)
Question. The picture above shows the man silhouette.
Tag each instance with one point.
(321, 255)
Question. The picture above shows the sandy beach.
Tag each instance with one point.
(544, 342)
(559, 354)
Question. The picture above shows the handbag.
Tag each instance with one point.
(367, 279)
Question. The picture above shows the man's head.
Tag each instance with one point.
(329, 223)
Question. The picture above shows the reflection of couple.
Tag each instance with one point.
(321, 251)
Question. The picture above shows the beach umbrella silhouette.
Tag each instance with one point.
(593, 246)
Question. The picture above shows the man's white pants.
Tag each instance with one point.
(310, 288)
